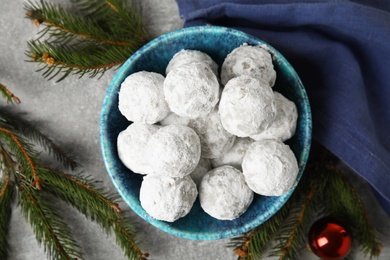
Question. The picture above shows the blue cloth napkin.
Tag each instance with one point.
(341, 50)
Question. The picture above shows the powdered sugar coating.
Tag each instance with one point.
(223, 193)
(184, 57)
(173, 119)
(131, 144)
(284, 125)
(270, 168)
(166, 198)
(235, 155)
(203, 167)
(191, 90)
(247, 106)
(214, 139)
(174, 151)
(141, 98)
(254, 61)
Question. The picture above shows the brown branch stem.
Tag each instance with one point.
(37, 180)
(5, 186)
(10, 94)
(333, 168)
(88, 188)
(130, 239)
(59, 246)
(298, 222)
(85, 36)
(49, 60)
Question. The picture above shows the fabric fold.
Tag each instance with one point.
(340, 50)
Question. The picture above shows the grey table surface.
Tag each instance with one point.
(68, 112)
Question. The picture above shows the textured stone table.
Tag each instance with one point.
(68, 112)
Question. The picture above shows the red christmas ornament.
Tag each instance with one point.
(329, 239)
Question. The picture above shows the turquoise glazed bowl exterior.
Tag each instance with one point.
(154, 56)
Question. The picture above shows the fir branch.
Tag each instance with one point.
(124, 234)
(101, 39)
(74, 188)
(6, 190)
(345, 203)
(47, 224)
(78, 60)
(97, 205)
(24, 128)
(292, 237)
(8, 95)
(127, 15)
(22, 151)
(253, 244)
(66, 24)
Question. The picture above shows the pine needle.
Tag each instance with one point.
(345, 203)
(101, 35)
(24, 128)
(21, 169)
(6, 190)
(253, 244)
(23, 151)
(322, 191)
(47, 224)
(96, 205)
(77, 60)
(8, 95)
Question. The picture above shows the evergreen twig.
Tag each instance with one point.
(21, 170)
(252, 244)
(6, 190)
(329, 194)
(348, 205)
(17, 124)
(47, 224)
(101, 36)
(8, 95)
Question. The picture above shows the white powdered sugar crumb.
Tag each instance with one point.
(284, 125)
(247, 106)
(141, 98)
(191, 90)
(254, 61)
(174, 151)
(203, 167)
(214, 139)
(166, 198)
(185, 57)
(270, 168)
(131, 144)
(235, 155)
(223, 193)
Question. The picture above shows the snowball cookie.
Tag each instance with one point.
(223, 193)
(184, 57)
(131, 144)
(270, 168)
(166, 198)
(285, 122)
(214, 139)
(247, 106)
(235, 155)
(141, 98)
(191, 90)
(203, 167)
(248, 60)
(174, 151)
(173, 119)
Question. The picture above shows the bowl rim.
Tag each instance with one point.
(107, 155)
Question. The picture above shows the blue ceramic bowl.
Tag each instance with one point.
(154, 56)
